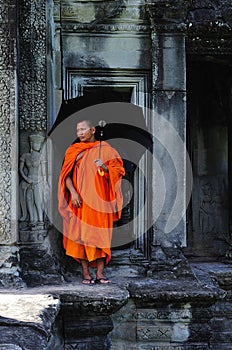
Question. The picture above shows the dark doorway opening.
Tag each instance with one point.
(109, 94)
(209, 82)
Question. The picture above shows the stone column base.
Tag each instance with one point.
(169, 263)
(9, 270)
(38, 267)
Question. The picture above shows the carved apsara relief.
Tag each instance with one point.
(33, 187)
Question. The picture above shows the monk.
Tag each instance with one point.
(90, 200)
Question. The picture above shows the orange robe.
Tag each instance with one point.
(87, 230)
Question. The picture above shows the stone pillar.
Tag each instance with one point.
(8, 146)
(37, 262)
(169, 128)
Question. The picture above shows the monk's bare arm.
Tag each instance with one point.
(76, 200)
(69, 185)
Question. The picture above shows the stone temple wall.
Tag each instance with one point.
(174, 305)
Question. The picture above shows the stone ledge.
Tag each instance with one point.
(182, 290)
(28, 315)
(109, 297)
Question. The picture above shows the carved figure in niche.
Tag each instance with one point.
(206, 208)
(32, 169)
(213, 216)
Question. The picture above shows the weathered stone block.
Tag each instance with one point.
(26, 320)
(88, 344)
(38, 266)
(199, 330)
(76, 327)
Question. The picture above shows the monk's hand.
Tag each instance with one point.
(76, 199)
(99, 163)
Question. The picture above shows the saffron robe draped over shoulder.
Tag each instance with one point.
(87, 230)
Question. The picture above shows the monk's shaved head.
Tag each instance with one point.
(88, 121)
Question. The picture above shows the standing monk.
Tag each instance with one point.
(90, 200)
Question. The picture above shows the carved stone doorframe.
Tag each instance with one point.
(139, 82)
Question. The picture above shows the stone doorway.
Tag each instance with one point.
(126, 242)
(209, 146)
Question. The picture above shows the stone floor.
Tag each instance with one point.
(27, 315)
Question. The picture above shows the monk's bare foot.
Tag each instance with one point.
(87, 279)
(102, 279)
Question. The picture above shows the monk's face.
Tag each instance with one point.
(85, 132)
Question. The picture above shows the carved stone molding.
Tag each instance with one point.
(32, 65)
(105, 28)
(100, 12)
(104, 16)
